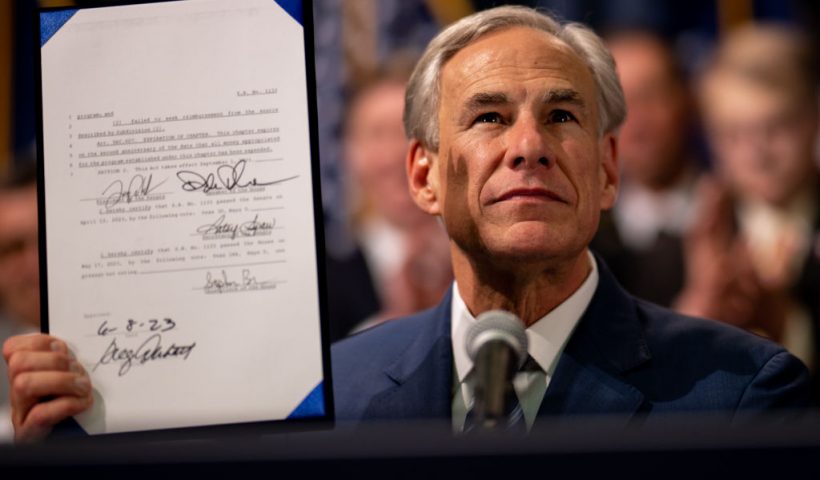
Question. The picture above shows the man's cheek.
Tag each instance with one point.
(459, 221)
(456, 187)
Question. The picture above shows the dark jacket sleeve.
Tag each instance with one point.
(781, 388)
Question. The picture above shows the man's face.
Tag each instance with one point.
(375, 149)
(521, 173)
(763, 141)
(652, 138)
(19, 274)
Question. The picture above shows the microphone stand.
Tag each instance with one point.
(495, 366)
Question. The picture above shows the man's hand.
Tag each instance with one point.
(47, 385)
(723, 280)
(711, 251)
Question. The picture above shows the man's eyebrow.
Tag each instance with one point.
(484, 99)
(564, 95)
(561, 95)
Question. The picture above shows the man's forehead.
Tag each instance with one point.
(729, 96)
(519, 53)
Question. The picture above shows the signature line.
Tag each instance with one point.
(152, 194)
(148, 272)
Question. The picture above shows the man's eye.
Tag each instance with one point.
(561, 116)
(491, 117)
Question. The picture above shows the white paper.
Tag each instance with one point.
(179, 212)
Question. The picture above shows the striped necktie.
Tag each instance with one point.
(513, 413)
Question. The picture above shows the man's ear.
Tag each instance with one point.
(422, 177)
(610, 173)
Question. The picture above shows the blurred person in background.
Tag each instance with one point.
(401, 261)
(641, 238)
(19, 275)
(754, 252)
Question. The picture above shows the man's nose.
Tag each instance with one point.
(527, 144)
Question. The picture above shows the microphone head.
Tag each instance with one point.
(498, 325)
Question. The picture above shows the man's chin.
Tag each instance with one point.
(532, 253)
(540, 240)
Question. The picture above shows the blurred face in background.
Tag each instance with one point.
(653, 137)
(763, 139)
(19, 274)
(375, 148)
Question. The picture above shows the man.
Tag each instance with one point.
(401, 260)
(651, 240)
(19, 274)
(512, 121)
(760, 104)
(641, 240)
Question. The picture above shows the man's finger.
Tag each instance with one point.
(50, 383)
(44, 416)
(29, 361)
(36, 342)
(28, 388)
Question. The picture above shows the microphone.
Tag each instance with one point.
(497, 344)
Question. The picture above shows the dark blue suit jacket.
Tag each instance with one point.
(625, 357)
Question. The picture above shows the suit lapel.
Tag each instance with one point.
(589, 379)
(422, 373)
(607, 343)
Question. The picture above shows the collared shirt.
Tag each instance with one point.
(385, 249)
(547, 339)
(641, 214)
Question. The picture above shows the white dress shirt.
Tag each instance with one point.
(641, 214)
(547, 339)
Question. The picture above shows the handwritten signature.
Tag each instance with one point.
(247, 229)
(138, 187)
(222, 283)
(150, 350)
(226, 177)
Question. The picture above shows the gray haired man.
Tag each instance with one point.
(513, 123)
(512, 120)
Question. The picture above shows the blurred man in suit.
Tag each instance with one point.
(641, 237)
(512, 119)
(761, 217)
(400, 260)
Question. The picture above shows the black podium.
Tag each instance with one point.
(677, 447)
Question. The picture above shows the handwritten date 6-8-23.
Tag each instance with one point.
(133, 327)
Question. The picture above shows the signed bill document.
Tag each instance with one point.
(180, 213)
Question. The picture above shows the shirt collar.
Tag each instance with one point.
(641, 214)
(547, 337)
